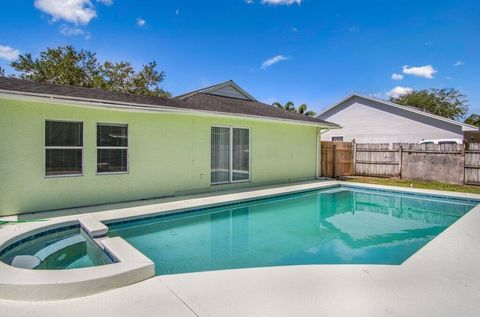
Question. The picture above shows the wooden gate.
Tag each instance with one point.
(336, 159)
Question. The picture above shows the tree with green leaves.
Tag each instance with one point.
(449, 103)
(303, 109)
(2, 72)
(65, 65)
(473, 119)
(290, 106)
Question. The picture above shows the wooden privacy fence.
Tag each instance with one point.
(336, 159)
(449, 163)
(376, 159)
(472, 164)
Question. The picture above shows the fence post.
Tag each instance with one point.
(464, 145)
(354, 160)
(400, 159)
(334, 161)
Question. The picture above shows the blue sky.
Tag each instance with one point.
(313, 52)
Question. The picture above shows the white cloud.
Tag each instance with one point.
(378, 95)
(141, 22)
(106, 2)
(276, 2)
(396, 76)
(458, 63)
(269, 62)
(8, 53)
(74, 11)
(426, 71)
(281, 2)
(71, 31)
(398, 91)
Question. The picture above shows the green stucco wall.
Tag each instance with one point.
(169, 154)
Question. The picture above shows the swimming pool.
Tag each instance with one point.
(339, 225)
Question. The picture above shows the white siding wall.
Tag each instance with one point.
(365, 121)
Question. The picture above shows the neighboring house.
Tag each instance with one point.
(368, 119)
(63, 147)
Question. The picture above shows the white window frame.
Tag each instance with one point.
(111, 148)
(337, 136)
(63, 148)
(231, 181)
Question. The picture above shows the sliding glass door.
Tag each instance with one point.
(220, 156)
(241, 154)
(230, 155)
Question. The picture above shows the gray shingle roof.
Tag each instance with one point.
(247, 107)
(198, 102)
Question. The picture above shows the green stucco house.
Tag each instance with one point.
(65, 147)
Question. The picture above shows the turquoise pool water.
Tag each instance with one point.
(65, 249)
(341, 225)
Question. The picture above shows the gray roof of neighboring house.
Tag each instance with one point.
(324, 114)
(197, 102)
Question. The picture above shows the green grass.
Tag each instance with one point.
(414, 184)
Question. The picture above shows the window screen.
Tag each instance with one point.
(112, 148)
(63, 148)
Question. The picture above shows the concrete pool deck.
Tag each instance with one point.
(442, 279)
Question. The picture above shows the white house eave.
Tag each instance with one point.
(465, 126)
(138, 107)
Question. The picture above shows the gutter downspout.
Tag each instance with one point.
(318, 154)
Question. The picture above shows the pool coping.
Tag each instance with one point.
(20, 285)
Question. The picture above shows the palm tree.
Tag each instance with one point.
(289, 106)
(303, 110)
(277, 104)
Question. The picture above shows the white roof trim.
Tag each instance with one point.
(216, 87)
(132, 106)
(465, 126)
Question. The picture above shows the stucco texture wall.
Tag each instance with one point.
(169, 154)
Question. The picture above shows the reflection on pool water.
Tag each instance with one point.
(66, 249)
(330, 226)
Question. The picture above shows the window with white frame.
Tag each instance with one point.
(112, 148)
(63, 148)
(337, 138)
(230, 155)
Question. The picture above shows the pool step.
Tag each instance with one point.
(32, 261)
(25, 261)
(59, 245)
